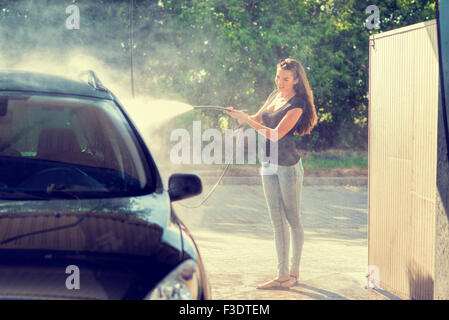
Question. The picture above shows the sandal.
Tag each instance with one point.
(273, 286)
(295, 278)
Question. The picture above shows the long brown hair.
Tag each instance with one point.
(303, 91)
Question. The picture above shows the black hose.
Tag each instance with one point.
(219, 179)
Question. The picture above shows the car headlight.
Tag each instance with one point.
(180, 284)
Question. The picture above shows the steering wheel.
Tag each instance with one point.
(60, 175)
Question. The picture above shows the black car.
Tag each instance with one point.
(84, 213)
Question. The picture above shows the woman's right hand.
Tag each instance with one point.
(240, 116)
(232, 113)
(229, 109)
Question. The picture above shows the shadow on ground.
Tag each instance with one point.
(316, 293)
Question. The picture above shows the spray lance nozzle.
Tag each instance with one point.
(214, 108)
(218, 108)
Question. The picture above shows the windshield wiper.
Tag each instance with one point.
(59, 188)
(52, 191)
(22, 195)
(66, 226)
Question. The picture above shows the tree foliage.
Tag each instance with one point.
(224, 52)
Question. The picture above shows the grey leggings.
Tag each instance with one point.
(283, 191)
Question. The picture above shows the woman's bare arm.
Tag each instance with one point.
(257, 117)
(285, 125)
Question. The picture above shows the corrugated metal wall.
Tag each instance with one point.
(403, 113)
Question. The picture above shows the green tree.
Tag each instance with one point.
(223, 52)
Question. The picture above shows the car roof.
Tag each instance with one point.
(25, 81)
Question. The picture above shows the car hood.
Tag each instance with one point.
(122, 246)
(116, 225)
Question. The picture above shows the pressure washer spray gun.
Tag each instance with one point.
(218, 108)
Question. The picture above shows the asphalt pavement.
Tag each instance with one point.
(235, 237)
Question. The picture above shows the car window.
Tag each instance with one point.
(81, 146)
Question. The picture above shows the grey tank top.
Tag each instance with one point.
(288, 155)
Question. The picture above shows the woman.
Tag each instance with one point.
(288, 110)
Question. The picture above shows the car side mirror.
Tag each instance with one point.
(183, 186)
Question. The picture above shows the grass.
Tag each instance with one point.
(330, 163)
(330, 159)
(335, 159)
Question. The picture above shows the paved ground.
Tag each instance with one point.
(235, 237)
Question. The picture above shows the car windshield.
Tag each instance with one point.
(68, 147)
